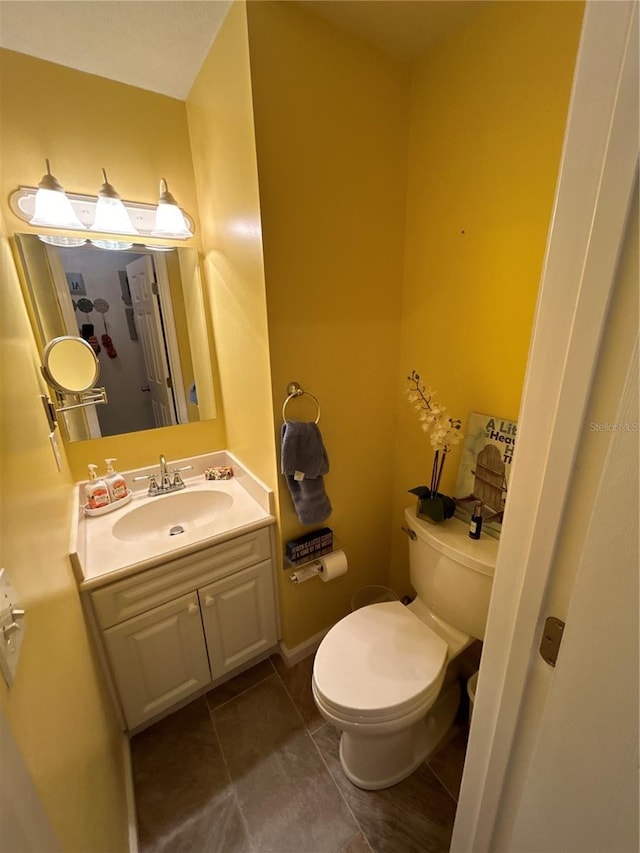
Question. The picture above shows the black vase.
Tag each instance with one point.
(436, 509)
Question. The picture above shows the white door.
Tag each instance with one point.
(143, 286)
(158, 658)
(552, 758)
(238, 614)
(581, 790)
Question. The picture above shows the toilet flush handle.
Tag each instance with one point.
(410, 533)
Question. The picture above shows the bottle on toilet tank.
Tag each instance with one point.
(475, 528)
(115, 482)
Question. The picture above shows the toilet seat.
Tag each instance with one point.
(379, 663)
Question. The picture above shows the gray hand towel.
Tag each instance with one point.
(303, 452)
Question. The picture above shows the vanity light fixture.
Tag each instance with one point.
(170, 221)
(111, 215)
(77, 212)
(52, 208)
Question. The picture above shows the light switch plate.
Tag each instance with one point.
(56, 449)
(10, 638)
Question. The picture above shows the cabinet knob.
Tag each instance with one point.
(192, 609)
(209, 601)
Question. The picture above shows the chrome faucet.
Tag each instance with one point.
(165, 479)
(169, 481)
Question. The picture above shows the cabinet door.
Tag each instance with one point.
(239, 617)
(158, 658)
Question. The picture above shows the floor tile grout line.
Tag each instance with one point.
(337, 787)
(369, 847)
(234, 791)
(291, 699)
(315, 745)
(442, 783)
(242, 692)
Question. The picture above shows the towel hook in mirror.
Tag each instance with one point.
(295, 390)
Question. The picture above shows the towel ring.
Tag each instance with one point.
(294, 390)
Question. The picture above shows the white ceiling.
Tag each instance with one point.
(157, 45)
(160, 45)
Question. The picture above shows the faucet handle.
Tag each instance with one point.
(153, 486)
(177, 479)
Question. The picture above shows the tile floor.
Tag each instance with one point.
(251, 767)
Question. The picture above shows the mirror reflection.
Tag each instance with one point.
(142, 313)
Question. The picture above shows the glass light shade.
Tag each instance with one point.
(67, 242)
(170, 221)
(52, 207)
(111, 245)
(53, 210)
(111, 214)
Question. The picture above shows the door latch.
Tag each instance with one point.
(551, 639)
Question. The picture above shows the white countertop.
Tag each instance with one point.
(98, 557)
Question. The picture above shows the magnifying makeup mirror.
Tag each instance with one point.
(70, 365)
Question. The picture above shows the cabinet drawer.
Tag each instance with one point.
(150, 588)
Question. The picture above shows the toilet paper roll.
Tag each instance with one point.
(333, 565)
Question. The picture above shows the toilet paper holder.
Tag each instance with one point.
(328, 567)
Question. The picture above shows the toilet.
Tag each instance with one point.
(385, 674)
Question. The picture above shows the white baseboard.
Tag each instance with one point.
(301, 651)
(130, 795)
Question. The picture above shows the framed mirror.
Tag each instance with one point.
(70, 365)
(141, 313)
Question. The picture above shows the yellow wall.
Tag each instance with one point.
(219, 111)
(488, 111)
(57, 709)
(331, 119)
(82, 123)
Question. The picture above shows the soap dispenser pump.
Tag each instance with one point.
(96, 491)
(115, 482)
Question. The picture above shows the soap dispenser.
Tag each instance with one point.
(115, 482)
(96, 491)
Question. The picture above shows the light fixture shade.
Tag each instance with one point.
(66, 242)
(170, 221)
(112, 245)
(52, 207)
(111, 215)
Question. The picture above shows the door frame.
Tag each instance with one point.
(594, 188)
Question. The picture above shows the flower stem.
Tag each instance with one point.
(444, 456)
(434, 475)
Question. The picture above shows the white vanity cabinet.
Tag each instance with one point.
(169, 631)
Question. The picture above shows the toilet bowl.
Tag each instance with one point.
(383, 674)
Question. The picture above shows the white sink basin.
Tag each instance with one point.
(171, 515)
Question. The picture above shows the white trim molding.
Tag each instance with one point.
(302, 650)
(597, 176)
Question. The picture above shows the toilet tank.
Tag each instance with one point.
(451, 573)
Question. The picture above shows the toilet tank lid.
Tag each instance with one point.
(452, 538)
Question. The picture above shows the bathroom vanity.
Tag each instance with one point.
(176, 613)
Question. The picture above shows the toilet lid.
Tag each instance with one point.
(379, 662)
